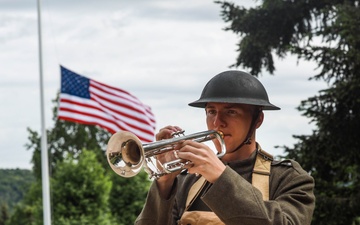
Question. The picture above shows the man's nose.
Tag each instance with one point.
(219, 121)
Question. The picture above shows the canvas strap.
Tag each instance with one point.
(260, 178)
(195, 191)
(261, 173)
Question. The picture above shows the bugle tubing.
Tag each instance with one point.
(127, 155)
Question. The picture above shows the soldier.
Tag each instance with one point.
(246, 186)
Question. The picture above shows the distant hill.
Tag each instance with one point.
(14, 183)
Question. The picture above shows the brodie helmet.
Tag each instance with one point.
(234, 87)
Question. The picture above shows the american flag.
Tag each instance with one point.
(86, 101)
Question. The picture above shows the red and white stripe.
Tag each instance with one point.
(111, 108)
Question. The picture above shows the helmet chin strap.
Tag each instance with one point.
(252, 128)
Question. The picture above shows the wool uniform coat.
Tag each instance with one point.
(235, 201)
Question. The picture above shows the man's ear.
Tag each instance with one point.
(260, 119)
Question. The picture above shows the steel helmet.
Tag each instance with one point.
(234, 87)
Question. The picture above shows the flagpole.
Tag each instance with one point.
(44, 150)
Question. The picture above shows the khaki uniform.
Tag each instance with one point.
(235, 201)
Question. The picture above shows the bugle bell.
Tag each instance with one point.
(127, 155)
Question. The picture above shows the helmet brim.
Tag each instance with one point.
(201, 103)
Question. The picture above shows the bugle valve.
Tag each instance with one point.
(127, 155)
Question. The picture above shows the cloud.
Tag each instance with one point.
(161, 51)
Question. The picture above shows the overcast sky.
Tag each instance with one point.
(161, 51)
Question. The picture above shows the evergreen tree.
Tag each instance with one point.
(327, 33)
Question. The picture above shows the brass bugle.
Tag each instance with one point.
(127, 155)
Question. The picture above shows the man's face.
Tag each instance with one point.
(232, 119)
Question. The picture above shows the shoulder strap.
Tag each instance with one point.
(195, 191)
(261, 172)
(260, 178)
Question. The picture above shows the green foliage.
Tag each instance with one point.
(14, 183)
(29, 210)
(4, 214)
(133, 193)
(328, 33)
(65, 139)
(84, 190)
(80, 191)
(267, 29)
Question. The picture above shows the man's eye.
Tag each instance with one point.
(211, 112)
